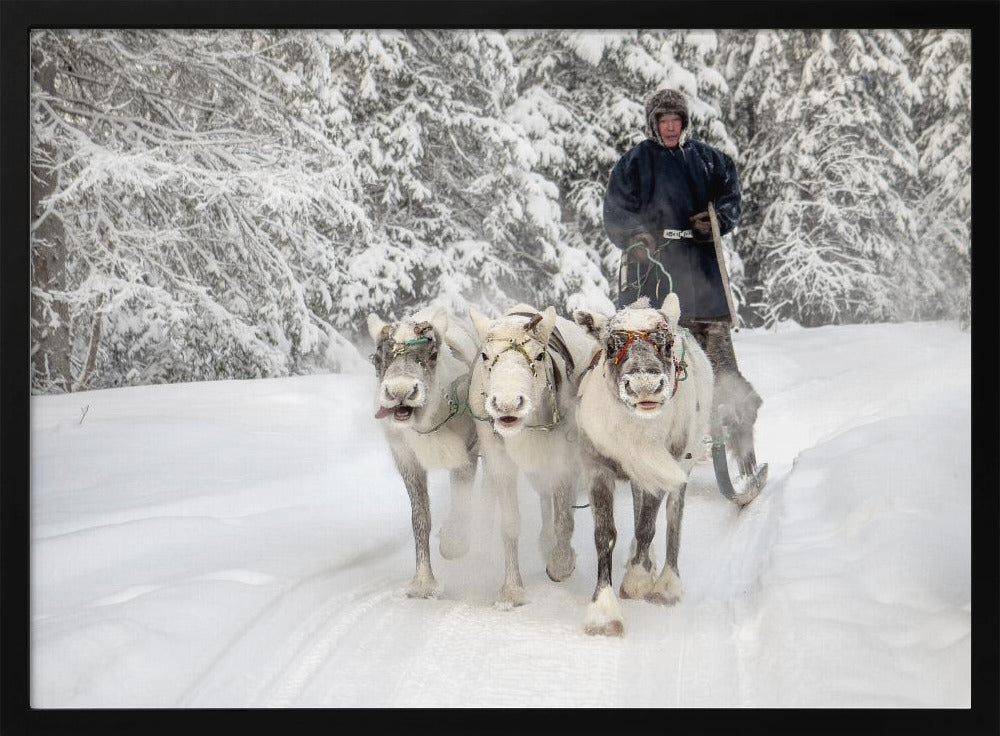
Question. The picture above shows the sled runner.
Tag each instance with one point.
(749, 480)
(751, 477)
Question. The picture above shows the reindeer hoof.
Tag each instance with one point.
(667, 591)
(604, 615)
(454, 545)
(424, 588)
(509, 599)
(662, 599)
(611, 628)
(637, 582)
(561, 564)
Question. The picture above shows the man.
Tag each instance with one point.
(655, 209)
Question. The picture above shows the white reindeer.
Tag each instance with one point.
(422, 363)
(523, 390)
(643, 414)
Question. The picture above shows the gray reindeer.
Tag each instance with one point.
(422, 363)
(644, 412)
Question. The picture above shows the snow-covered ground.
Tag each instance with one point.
(246, 544)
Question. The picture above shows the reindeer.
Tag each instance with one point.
(422, 363)
(523, 389)
(644, 411)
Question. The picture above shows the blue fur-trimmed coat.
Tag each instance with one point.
(653, 188)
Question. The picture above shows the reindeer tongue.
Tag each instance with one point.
(382, 412)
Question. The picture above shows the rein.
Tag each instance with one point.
(641, 274)
(453, 407)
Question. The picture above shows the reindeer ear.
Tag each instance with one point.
(593, 322)
(548, 321)
(439, 321)
(481, 322)
(375, 325)
(671, 309)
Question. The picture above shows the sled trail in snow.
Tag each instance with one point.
(247, 544)
(296, 633)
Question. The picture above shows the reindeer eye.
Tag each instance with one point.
(434, 355)
(540, 357)
(484, 357)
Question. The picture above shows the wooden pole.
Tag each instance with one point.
(717, 241)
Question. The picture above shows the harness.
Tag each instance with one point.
(662, 346)
(553, 378)
(404, 347)
(401, 348)
(453, 406)
(557, 344)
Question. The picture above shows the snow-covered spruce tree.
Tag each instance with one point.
(942, 62)
(581, 103)
(834, 178)
(50, 322)
(186, 196)
(460, 215)
(764, 66)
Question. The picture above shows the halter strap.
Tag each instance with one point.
(401, 347)
(632, 336)
(680, 365)
(552, 375)
(454, 406)
(556, 343)
(517, 347)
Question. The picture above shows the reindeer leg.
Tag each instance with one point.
(636, 508)
(561, 559)
(668, 588)
(640, 577)
(637, 495)
(503, 477)
(455, 530)
(547, 535)
(485, 510)
(414, 477)
(604, 614)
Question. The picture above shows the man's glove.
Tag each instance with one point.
(701, 227)
(641, 246)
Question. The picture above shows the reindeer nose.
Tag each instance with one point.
(399, 391)
(643, 383)
(506, 405)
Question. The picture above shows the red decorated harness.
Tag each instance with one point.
(680, 366)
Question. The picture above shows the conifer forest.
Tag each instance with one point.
(213, 204)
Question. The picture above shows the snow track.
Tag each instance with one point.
(247, 544)
(296, 633)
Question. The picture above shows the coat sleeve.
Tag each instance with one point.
(622, 202)
(725, 193)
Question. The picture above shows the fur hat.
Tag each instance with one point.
(658, 103)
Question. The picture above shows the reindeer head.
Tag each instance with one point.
(514, 367)
(638, 352)
(406, 360)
